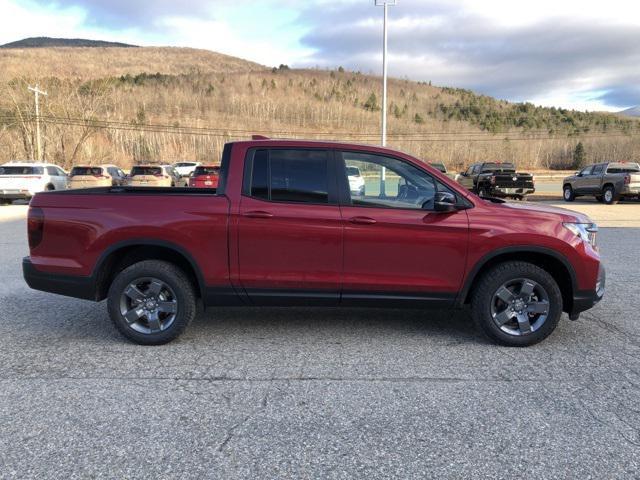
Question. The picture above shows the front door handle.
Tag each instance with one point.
(258, 214)
(362, 220)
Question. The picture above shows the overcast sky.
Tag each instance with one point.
(575, 54)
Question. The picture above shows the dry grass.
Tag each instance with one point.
(206, 89)
(90, 63)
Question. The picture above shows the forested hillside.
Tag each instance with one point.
(111, 105)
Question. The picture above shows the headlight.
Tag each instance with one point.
(586, 231)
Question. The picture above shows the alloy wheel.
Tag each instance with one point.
(148, 305)
(520, 306)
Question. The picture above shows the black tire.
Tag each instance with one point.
(5, 201)
(170, 275)
(609, 196)
(50, 188)
(568, 194)
(485, 290)
(599, 198)
(482, 192)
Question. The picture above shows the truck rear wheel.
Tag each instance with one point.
(151, 302)
(609, 195)
(517, 304)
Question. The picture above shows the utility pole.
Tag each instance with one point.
(36, 90)
(385, 4)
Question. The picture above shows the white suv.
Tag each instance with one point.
(24, 180)
(185, 169)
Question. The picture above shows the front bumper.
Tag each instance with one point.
(585, 299)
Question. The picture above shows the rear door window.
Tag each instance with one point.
(288, 175)
(597, 170)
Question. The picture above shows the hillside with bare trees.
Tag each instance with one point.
(125, 105)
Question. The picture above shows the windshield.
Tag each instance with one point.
(353, 172)
(440, 167)
(499, 167)
(184, 164)
(623, 168)
(206, 171)
(146, 171)
(21, 170)
(86, 171)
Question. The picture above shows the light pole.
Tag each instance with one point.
(36, 90)
(385, 4)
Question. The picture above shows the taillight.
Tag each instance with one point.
(627, 179)
(35, 226)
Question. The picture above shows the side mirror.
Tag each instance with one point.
(444, 202)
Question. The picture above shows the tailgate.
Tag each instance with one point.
(17, 182)
(515, 180)
(634, 180)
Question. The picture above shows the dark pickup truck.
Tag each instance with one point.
(283, 227)
(608, 182)
(492, 179)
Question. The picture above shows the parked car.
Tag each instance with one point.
(185, 169)
(608, 182)
(154, 176)
(441, 167)
(284, 228)
(495, 179)
(356, 181)
(205, 176)
(22, 180)
(96, 176)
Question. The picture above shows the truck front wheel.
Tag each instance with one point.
(568, 194)
(517, 304)
(151, 302)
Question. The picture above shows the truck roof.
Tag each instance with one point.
(269, 142)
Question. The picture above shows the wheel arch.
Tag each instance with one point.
(124, 254)
(549, 260)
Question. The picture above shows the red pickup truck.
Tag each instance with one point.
(284, 228)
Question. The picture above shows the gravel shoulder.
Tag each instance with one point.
(317, 393)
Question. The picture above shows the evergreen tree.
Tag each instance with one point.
(579, 156)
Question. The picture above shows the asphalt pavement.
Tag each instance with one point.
(317, 393)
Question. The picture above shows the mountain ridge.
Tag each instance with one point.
(631, 112)
(48, 42)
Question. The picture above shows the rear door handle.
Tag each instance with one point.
(362, 220)
(258, 214)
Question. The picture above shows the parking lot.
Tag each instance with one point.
(317, 393)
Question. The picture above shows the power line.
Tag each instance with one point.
(462, 136)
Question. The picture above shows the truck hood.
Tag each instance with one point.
(564, 214)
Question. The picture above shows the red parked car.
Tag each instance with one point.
(205, 177)
(284, 228)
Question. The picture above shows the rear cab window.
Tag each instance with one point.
(623, 168)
